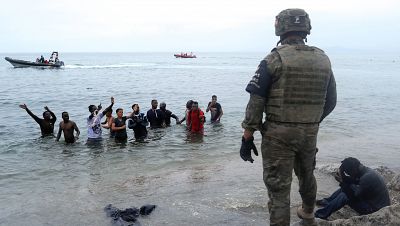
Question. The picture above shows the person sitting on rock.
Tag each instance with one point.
(361, 188)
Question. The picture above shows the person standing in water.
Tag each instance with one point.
(166, 115)
(108, 122)
(187, 112)
(67, 126)
(119, 126)
(94, 121)
(138, 122)
(47, 123)
(215, 108)
(153, 115)
(196, 119)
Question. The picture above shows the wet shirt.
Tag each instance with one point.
(154, 118)
(196, 120)
(139, 122)
(166, 116)
(94, 126)
(217, 113)
(46, 127)
(120, 134)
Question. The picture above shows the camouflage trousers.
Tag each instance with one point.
(286, 147)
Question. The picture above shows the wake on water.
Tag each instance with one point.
(124, 65)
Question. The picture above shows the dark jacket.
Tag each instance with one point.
(371, 188)
(154, 116)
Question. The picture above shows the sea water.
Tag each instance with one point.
(192, 180)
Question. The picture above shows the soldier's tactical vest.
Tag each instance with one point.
(298, 94)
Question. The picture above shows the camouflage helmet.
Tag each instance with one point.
(292, 20)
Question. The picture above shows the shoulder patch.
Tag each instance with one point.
(260, 81)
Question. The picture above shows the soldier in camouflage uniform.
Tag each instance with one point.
(295, 87)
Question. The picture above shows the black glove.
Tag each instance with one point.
(245, 149)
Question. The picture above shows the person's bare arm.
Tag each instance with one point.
(109, 107)
(182, 120)
(77, 131)
(220, 115)
(108, 124)
(53, 116)
(59, 132)
(37, 119)
(115, 128)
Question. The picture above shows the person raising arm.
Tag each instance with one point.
(46, 124)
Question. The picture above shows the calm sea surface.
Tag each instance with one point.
(194, 181)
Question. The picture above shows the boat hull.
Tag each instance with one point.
(184, 56)
(22, 63)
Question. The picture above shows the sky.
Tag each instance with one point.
(190, 25)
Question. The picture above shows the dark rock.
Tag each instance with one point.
(147, 209)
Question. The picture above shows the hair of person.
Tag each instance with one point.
(45, 113)
(64, 112)
(195, 102)
(118, 109)
(214, 96)
(91, 108)
(133, 105)
(350, 165)
(154, 100)
(189, 104)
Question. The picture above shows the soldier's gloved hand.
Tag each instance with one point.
(245, 149)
